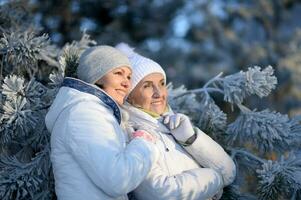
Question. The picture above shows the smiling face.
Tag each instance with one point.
(116, 83)
(150, 94)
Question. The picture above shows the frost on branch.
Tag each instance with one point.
(12, 86)
(23, 50)
(238, 86)
(22, 107)
(212, 119)
(260, 82)
(25, 180)
(187, 103)
(69, 58)
(280, 179)
(266, 130)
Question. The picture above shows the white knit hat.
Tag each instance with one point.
(96, 61)
(141, 65)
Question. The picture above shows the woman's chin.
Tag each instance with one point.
(119, 101)
(158, 111)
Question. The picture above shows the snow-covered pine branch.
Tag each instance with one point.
(69, 58)
(21, 52)
(280, 179)
(22, 181)
(266, 130)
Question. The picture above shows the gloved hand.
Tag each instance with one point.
(144, 135)
(180, 126)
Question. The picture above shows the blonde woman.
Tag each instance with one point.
(191, 165)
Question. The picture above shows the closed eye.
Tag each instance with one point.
(118, 73)
(146, 85)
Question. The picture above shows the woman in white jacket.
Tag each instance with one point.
(191, 165)
(91, 156)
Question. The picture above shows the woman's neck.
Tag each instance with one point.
(153, 114)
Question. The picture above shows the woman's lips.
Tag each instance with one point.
(157, 102)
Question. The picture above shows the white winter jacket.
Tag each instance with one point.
(90, 158)
(178, 175)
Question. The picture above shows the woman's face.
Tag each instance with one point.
(117, 83)
(150, 94)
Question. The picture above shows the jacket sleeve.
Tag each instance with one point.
(199, 183)
(210, 154)
(95, 141)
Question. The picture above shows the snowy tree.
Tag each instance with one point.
(27, 90)
(264, 143)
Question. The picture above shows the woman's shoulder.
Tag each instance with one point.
(93, 118)
(90, 109)
(92, 103)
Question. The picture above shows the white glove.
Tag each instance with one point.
(180, 126)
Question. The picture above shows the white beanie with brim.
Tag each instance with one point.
(141, 65)
(95, 62)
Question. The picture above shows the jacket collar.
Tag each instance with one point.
(141, 120)
(91, 89)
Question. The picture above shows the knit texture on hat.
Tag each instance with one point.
(96, 61)
(141, 65)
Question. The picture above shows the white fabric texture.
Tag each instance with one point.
(96, 61)
(177, 175)
(89, 154)
(141, 65)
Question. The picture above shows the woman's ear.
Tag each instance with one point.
(99, 84)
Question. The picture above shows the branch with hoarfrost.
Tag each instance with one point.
(24, 180)
(242, 153)
(205, 88)
(211, 118)
(13, 85)
(22, 107)
(22, 50)
(279, 179)
(237, 87)
(69, 59)
(266, 130)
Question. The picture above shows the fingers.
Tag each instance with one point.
(177, 121)
(166, 119)
(173, 121)
(145, 135)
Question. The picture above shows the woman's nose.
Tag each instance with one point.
(157, 92)
(126, 83)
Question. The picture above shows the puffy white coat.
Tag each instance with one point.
(89, 154)
(179, 175)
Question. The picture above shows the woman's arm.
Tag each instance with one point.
(201, 147)
(199, 183)
(209, 153)
(95, 141)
